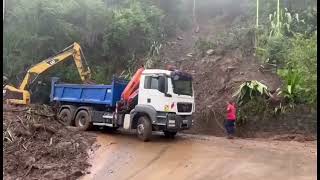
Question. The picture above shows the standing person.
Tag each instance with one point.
(231, 118)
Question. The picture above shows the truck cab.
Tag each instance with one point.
(166, 99)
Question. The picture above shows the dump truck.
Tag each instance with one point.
(153, 100)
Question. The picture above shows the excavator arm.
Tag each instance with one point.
(73, 50)
(22, 95)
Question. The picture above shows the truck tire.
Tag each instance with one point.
(83, 120)
(65, 117)
(144, 128)
(170, 134)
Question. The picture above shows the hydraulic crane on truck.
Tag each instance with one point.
(21, 95)
(129, 96)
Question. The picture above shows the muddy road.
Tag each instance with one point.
(124, 157)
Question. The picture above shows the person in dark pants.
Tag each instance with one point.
(231, 118)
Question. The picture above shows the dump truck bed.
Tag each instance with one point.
(87, 93)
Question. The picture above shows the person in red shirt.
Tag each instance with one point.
(231, 118)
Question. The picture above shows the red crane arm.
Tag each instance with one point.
(132, 86)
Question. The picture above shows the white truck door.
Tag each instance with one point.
(151, 92)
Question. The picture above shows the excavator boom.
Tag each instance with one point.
(83, 68)
(75, 51)
(22, 95)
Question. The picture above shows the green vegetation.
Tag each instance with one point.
(288, 39)
(251, 98)
(249, 90)
(119, 36)
(114, 35)
(257, 107)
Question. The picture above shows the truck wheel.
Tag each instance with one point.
(83, 120)
(65, 116)
(170, 134)
(144, 128)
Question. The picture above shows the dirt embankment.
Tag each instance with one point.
(218, 79)
(218, 74)
(36, 146)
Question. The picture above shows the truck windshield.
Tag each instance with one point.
(182, 87)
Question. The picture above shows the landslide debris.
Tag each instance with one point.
(37, 146)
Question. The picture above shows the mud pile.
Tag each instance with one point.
(37, 146)
(216, 78)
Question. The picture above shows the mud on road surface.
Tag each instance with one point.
(123, 157)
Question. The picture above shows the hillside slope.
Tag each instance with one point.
(216, 76)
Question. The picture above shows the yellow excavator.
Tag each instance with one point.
(21, 95)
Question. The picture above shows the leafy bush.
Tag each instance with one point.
(250, 90)
(277, 50)
(257, 106)
(291, 45)
(300, 72)
(291, 90)
(130, 31)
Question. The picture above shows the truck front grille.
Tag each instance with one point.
(184, 107)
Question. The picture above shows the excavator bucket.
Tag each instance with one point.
(12, 95)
